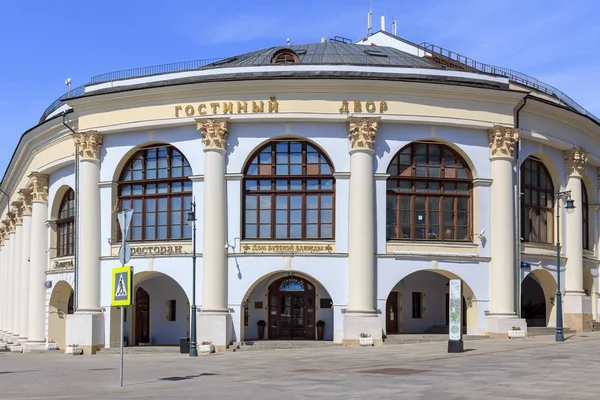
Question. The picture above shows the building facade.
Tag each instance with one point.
(337, 188)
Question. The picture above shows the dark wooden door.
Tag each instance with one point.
(291, 309)
(142, 316)
(391, 308)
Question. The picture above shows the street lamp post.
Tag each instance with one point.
(570, 206)
(192, 221)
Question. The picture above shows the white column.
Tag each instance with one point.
(501, 316)
(2, 284)
(17, 269)
(5, 273)
(24, 264)
(86, 326)
(10, 303)
(36, 332)
(361, 314)
(214, 321)
(577, 306)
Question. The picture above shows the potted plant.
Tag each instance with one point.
(16, 348)
(320, 329)
(206, 346)
(516, 333)
(8, 345)
(73, 349)
(365, 339)
(51, 345)
(261, 329)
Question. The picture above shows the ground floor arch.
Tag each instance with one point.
(419, 303)
(160, 314)
(287, 306)
(60, 305)
(538, 291)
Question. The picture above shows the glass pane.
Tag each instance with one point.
(150, 219)
(281, 217)
(265, 202)
(281, 184)
(281, 231)
(251, 231)
(265, 231)
(420, 186)
(252, 169)
(137, 189)
(312, 217)
(176, 232)
(296, 202)
(251, 217)
(295, 231)
(163, 188)
(163, 173)
(136, 233)
(150, 205)
(325, 169)
(296, 185)
(326, 231)
(251, 202)
(265, 216)
(125, 190)
(162, 218)
(150, 232)
(251, 185)
(175, 218)
(462, 234)
(296, 170)
(281, 202)
(151, 189)
(312, 184)
(162, 204)
(137, 175)
(265, 156)
(296, 217)
(312, 201)
(187, 231)
(326, 216)
(162, 232)
(187, 186)
(176, 203)
(312, 158)
(312, 231)
(296, 158)
(264, 185)
(176, 173)
(176, 187)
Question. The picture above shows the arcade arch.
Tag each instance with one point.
(538, 291)
(61, 304)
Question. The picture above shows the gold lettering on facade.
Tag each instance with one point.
(156, 250)
(370, 106)
(344, 108)
(383, 106)
(242, 106)
(215, 107)
(228, 108)
(357, 106)
(189, 111)
(202, 109)
(286, 248)
(177, 110)
(273, 105)
(258, 106)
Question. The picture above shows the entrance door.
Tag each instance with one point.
(391, 307)
(142, 316)
(291, 309)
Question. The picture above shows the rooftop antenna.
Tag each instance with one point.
(369, 24)
(382, 23)
(288, 41)
(394, 27)
(68, 83)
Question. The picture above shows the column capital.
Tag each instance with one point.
(575, 160)
(6, 230)
(26, 198)
(89, 144)
(502, 141)
(362, 132)
(214, 132)
(18, 211)
(10, 221)
(39, 186)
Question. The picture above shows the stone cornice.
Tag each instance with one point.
(362, 132)
(89, 144)
(502, 140)
(214, 132)
(575, 160)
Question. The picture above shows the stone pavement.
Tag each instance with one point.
(536, 368)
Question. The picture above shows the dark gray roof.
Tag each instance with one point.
(332, 53)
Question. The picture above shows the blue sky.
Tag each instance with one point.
(44, 42)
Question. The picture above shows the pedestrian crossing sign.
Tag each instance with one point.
(121, 286)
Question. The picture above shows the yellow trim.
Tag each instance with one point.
(128, 273)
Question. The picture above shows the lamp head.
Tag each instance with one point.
(570, 205)
(191, 218)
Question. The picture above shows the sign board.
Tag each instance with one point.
(122, 285)
(124, 218)
(455, 309)
(124, 253)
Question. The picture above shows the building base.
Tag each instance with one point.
(214, 327)
(577, 312)
(85, 330)
(497, 326)
(34, 347)
(355, 324)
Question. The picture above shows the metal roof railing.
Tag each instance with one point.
(450, 58)
(56, 104)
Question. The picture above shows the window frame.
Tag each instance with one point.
(273, 192)
(440, 194)
(66, 223)
(169, 195)
(546, 213)
(585, 217)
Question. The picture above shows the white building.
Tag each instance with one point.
(333, 182)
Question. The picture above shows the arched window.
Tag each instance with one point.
(285, 56)
(429, 194)
(288, 193)
(65, 225)
(537, 202)
(156, 186)
(585, 222)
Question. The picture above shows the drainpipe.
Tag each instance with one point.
(518, 195)
(76, 216)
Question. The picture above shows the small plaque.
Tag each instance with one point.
(258, 305)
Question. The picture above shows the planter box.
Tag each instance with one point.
(516, 334)
(16, 349)
(206, 348)
(51, 346)
(74, 350)
(366, 341)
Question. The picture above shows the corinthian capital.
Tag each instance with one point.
(502, 141)
(18, 211)
(10, 221)
(26, 198)
(575, 160)
(214, 132)
(362, 132)
(39, 186)
(88, 144)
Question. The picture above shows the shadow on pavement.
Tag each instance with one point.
(183, 378)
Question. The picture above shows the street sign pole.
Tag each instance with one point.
(124, 218)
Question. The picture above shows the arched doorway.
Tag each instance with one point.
(291, 309)
(419, 304)
(533, 302)
(61, 304)
(287, 305)
(160, 314)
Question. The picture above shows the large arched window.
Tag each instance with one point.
(537, 202)
(288, 193)
(156, 186)
(429, 194)
(65, 225)
(585, 222)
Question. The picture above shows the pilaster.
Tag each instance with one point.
(361, 314)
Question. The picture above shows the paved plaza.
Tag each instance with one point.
(535, 368)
